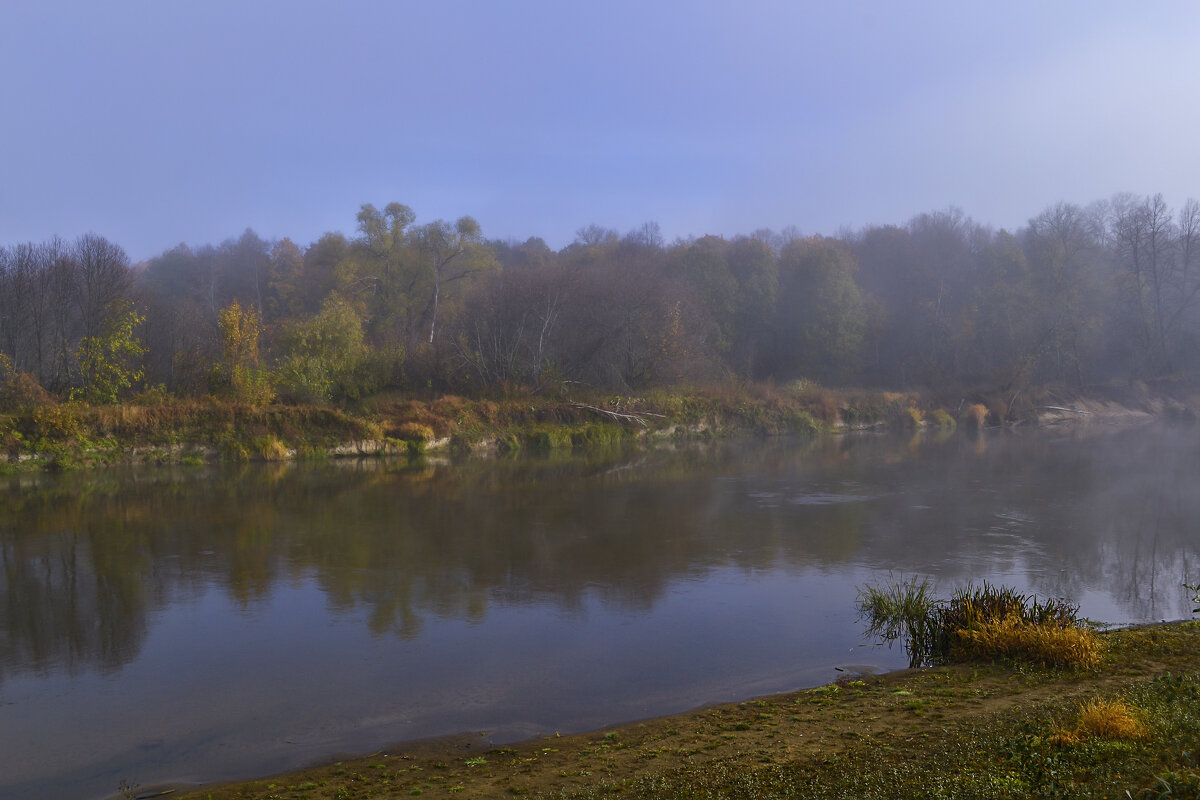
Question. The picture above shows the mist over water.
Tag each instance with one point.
(204, 624)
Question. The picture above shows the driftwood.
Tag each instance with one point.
(1068, 410)
(616, 415)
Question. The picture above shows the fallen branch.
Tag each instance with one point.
(1069, 410)
(616, 415)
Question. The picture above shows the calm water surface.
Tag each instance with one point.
(207, 624)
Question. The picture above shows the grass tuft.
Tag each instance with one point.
(1110, 719)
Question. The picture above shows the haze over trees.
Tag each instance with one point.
(1078, 295)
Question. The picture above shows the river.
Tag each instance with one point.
(201, 623)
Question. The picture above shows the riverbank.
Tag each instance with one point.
(157, 429)
(969, 730)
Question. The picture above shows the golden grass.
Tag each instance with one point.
(1110, 719)
(1012, 637)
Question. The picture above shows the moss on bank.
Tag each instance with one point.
(965, 731)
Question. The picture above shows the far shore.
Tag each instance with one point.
(195, 431)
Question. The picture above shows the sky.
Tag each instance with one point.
(156, 122)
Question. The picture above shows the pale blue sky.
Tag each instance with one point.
(159, 122)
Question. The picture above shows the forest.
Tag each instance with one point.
(1079, 295)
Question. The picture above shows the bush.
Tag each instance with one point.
(19, 390)
(975, 416)
(57, 422)
(943, 420)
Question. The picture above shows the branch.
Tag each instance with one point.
(618, 416)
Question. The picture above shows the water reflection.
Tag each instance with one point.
(528, 595)
(88, 557)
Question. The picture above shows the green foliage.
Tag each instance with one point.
(902, 609)
(545, 439)
(942, 420)
(322, 354)
(821, 312)
(110, 362)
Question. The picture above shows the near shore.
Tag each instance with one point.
(1010, 730)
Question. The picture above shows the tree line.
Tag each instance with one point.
(1080, 294)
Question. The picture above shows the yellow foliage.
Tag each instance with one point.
(1110, 719)
(976, 415)
(1011, 637)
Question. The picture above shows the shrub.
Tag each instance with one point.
(19, 390)
(998, 410)
(58, 422)
(943, 420)
(975, 416)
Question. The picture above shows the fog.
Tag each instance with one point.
(1078, 296)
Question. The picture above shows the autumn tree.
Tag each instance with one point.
(239, 368)
(110, 362)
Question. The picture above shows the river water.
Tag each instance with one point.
(201, 624)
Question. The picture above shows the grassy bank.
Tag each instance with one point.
(161, 429)
(37, 432)
(1129, 725)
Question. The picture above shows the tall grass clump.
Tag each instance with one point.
(1013, 637)
(905, 610)
(978, 622)
(1110, 719)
